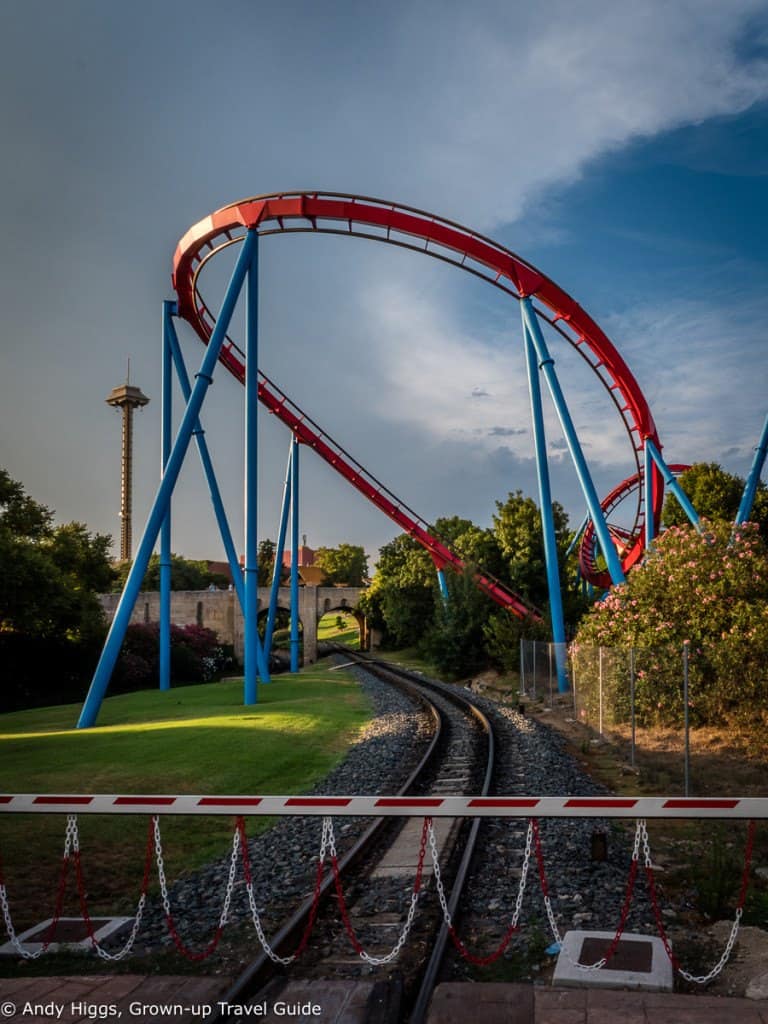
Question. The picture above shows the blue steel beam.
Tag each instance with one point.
(294, 555)
(255, 664)
(160, 505)
(547, 365)
(672, 484)
(547, 517)
(278, 568)
(650, 525)
(442, 585)
(164, 638)
(210, 475)
(750, 488)
(577, 536)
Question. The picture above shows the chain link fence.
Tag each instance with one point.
(641, 696)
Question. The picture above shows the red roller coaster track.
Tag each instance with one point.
(335, 213)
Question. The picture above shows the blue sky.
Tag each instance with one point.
(621, 147)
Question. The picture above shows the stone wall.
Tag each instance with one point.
(219, 610)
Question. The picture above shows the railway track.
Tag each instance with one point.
(383, 862)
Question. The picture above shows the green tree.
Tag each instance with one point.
(715, 494)
(455, 640)
(51, 621)
(21, 515)
(49, 576)
(517, 526)
(347, 564)
(401, 599)
(186, 574)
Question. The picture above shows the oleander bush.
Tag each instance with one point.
(708, 591)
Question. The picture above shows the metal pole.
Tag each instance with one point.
(165, 529)
(632, 704)
(750, 488)
(443, 585)
(650, 526)
(207, 464)
(254, 656)
(295, 556)
(547, 365)
(545, 504)
(600, 690)
(159, 508)
(278, 568)
(686, 727)
(673, 485)
(522, 666)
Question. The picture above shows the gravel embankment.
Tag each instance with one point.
(532, 761)
(283, 858)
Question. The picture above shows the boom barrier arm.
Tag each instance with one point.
(394, 806)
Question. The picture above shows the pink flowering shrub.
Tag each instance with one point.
(708, 590)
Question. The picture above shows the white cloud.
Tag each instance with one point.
(512, 102)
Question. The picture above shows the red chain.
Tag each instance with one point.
(315, 896)
(740, 905)
(483, 961)
(657, 915)
(187, 953)
(84, 912)
(747, 862)
(624, 911)
(340, 892)
(631, 878)
(59, 905)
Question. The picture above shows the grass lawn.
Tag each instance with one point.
(348, 633)
(193, 739)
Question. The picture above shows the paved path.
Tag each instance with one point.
(146, 1000)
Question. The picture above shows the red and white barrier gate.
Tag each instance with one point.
(396, 806)
(532, 808)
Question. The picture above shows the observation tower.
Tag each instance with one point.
(126, 397)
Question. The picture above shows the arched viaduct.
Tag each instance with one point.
(219, 610)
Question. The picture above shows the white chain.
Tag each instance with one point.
(520, 888)
(701, 979)
(598, 964)
(70, 841)
(326, 842)
(224, 915)
(381, 961)
(126, 949)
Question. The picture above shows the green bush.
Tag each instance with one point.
(708, 591)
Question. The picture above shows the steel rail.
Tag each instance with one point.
(262, 969)
(588, 546)
(322, 212)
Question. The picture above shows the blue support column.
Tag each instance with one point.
(650, 525)
(210, 476)
(294, 556)
(577, 536)
(161, 503)
(443, 585)
(750, 489)
(278, 569)
(547, 365)
(547, 518)
(255, 664)
(165, 529)
(672, 484)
